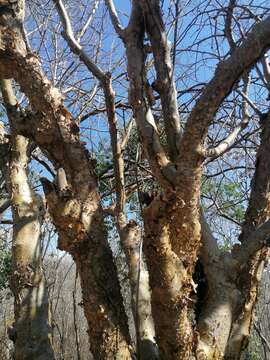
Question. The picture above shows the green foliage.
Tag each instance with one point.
(103, 156)
(228, 197)
(104, 167)
(254, 350)
(5, 266)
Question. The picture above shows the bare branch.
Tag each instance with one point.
(127, 134)
(164, 84)
(227, 143)
(106, 83)
(89, 21)
(43, 163)
(160, 164)
(250, 102)
(115, 20)
(226, 75)
(245, 113)
(228, 25)
(118, 105)
(6, 222)
(255, 241)
(4, 205)
(73, 43)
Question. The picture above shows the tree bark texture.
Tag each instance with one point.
(76, 213)
(172, 222)
(31, 331)
(209, 326)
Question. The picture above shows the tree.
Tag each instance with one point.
(181, 252)
(31, 329)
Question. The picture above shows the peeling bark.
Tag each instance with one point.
(31, 327)
(217, 326)
(180, 234)
(128, 232)
(167, 276)
(227, 312)
(161, 166)
(78, 217)
(31, 331)
(140, 292)
(215, 313)
(252, 262)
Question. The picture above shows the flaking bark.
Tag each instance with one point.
(78, 217)
(31, 330)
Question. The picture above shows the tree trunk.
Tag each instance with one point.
(32, 330)
(140, 292)
(102, 300)
(74, 202)
(170, 302)
(227, 313)
(257, 213)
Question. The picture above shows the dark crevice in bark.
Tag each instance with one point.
(201, 288)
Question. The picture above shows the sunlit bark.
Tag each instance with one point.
(31, 331)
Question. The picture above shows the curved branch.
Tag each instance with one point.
(227, 73)
(227, 143)
(73, 43)
(164, 84)
(115, 19)
(256, 240)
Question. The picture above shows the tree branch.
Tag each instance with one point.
(226, 75)
(162, 168)
(258, 208)
(256, 240)
(54, 130)
(164, 84)
(115, 20)
(126, 136)
(231, 138)
(250, 103)
(227, 143)
(4, 205)
(228, 25)
(73, 43)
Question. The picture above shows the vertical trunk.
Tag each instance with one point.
(102, 300)
(227, 311)
(117, 150)
(130, 238)
(31, 332)
(101, 296)
(140, 293)
(75, 207)
(167, 276)
(172, 225)
(77, 341)
(243, 315)
(217, 297)
(251, 270)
